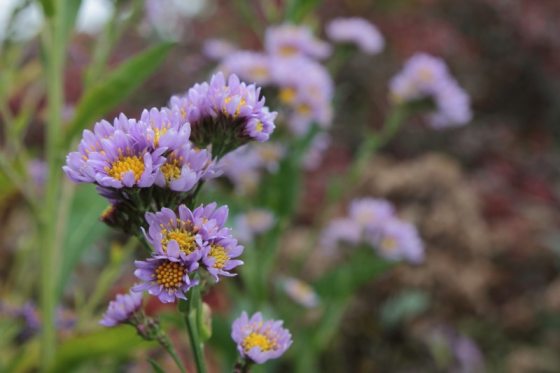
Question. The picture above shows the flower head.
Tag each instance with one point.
(260, 340)
(252, 223)
(225, 113)
(300, 292)
(357, 31)
(340, 230)
(219, 258)
(288, 41)
(370, 212)
(250, 66)
(121, 309)
(425, 77)
(397, 240)
(217, 49)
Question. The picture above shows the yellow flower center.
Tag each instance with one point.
(242, 102)
(388, 244)
(304, 109)
(126, 164)
(170, 275)
(184, 239)
(259, 340)
(259, 127)
(171, 169)
(287, 50)
(287, 95)
(158, 132)
(259, 72)
(219, 253)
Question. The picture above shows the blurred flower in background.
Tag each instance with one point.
(357, 31)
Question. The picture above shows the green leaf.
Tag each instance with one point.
(404, 306)
(362, 266)
(116, 87)
(82, 231)
(48, 7)
(298, 9)
(114, 342)
(70, 14)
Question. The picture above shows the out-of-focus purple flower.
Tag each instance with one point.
(260, 340)
(252, 223)
(340, 230)
(122, 309)
(462, 355)
(38, 171)
(293, 41)
(223, 113)
(357, 31)
(300, 292)
(242, 167)
(250, 66)
(308, 94)
(314, 155)
(270, 154)
(427, 77)
(220, 255)
(165, 276)
(370, 212)
(397, 240)
(217, 49)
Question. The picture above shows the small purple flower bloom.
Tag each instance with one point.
(220, 253)
(260, 340)
(340, 230)
(250, 66)
(357, 31)
(165, 276)
(252, 223)
(165, 128)
(294, 41)
(398, 240)
(121, 309)
(217, 49)
(427, 77)
(300, 292)
(370, 212)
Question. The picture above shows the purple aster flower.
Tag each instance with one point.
(252, 223)
(370, 212)
(270, 153)
(167, 231)
(427, 77)
(340, 230)
(210, 219)
(300, 292)
(397, 240)
(294, 41)
(225, 114)
(250, 66)
(166, 276)
(217, 49)
(219, 258)
(357, 31)
(165, 128)
(260, 340)
(242, 167)
(122, 309)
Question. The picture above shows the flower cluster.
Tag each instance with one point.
(373, 222)
(260, 340)
(425, 77)
(225, 113)
(356, 31)
(183, 243)
(307, 95)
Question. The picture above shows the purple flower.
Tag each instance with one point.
(260, 340)
(370, 212)
(294, 41)
(340, 230)
(357, 31)
(167, 231)
(122, 309)
(397, 240)
(427, 77)
(300, 292)
(165, 128)
(165, 276)
(210, 219)
(217, 49)
(225, 114)
(252, 223)
(220, 253)
(250, 66)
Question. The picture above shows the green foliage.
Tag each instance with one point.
(403, 307)
(298, 9)
(116, 87)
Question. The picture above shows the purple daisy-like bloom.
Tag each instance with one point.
(250, 66)
(220, 255)
(121, 309)
(166, 276)
(340, 230)
(370, 212)
(165, 128)
(260, 340)
(169, 231)
(398, 240)
(427, 77)
(357, 31)
(225, 113)
(217, 49)
(294, 41)
(210, 219)
(252, 223)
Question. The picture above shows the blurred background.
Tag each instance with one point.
(485, 197)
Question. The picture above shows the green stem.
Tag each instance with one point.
(54, 46)
(168, 346)
(190, 309)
